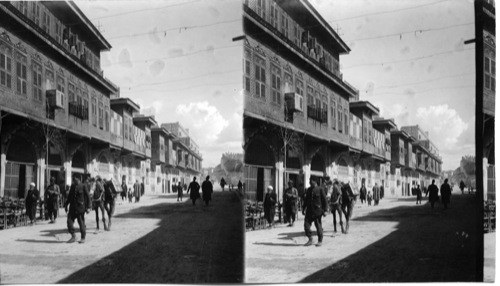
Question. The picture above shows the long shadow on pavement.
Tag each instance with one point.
(191, 245)
(426, 246)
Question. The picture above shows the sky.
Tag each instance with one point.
(177, 60)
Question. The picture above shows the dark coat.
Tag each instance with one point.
(179, 190)
(137, 190)
(31, 202)
(109, 191)
(52, 194)
(270, 206)
(376, 193)
(78, 199)
(315, 202)
(194, 187)
(433, 193)
(207, 189)
(347, 194)
(362, 193)
(445, 193)
(418, 191)
(462, 185)
(291, 196)
(336, 197)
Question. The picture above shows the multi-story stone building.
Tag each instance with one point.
(485, 41)
(187, 158)
(58, 115)
(301, 118)
(52, 90)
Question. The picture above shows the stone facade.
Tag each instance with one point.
(302, 120)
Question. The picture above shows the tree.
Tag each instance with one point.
(53, 135)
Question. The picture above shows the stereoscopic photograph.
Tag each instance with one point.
(247, 141)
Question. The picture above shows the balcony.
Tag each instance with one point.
(78, 110)
(379, 152)
(317, 114)
(71, 50)
(141, 149)
(388, 155)
(251, 7)
(368, 148)
(116, 140)
(355, 143)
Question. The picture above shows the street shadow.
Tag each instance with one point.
(190, 245)
(39, 241)
(53, 232)
(277, 244)
(292, 235)
(426, 246)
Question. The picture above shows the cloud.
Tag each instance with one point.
(157, 67)
(203, 119)
(444, 125)
(153, 109)
(398, 112)
(124, 58)
(233, 132)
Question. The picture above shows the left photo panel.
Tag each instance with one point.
(121, 154)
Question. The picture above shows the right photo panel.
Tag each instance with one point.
(360, 122)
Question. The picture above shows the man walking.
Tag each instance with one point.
(418, 191)
(291, 195)
(52, 194)
(222, 183)
(109, 200)
(376, 194)
(270, 206)
(124, 191)
(314, 207)
(194, 187)
(137, 191)
(462, 186)
(97, 203)
(362, 193)
(31, 202)
(179, 191)
(433, 193)
(79, 203)
(207, 189)
(445, 193)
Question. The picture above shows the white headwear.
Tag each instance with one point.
(32, 184)
(270, 188)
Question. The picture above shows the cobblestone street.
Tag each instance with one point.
(396, 241)
(155, 241)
